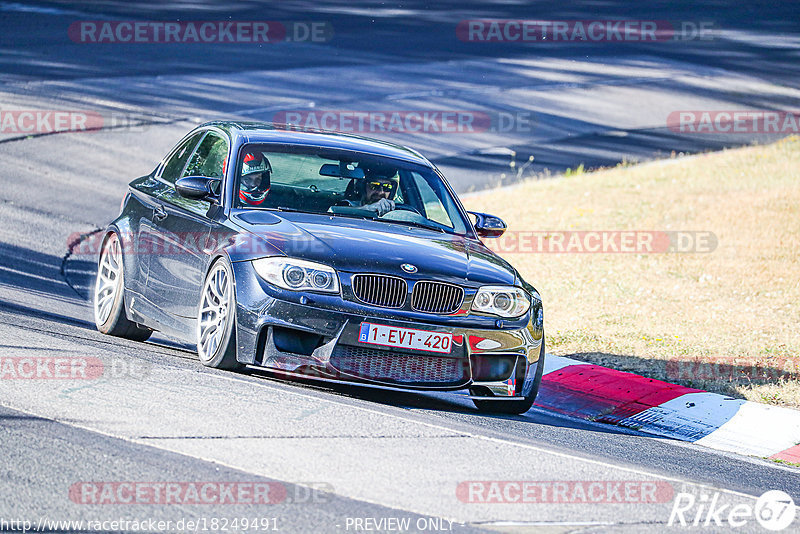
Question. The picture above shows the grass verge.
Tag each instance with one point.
(726, 321)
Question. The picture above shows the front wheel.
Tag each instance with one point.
(216, 339)
(109, 292)
(515, 407)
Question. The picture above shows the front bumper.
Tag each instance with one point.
(298, 336)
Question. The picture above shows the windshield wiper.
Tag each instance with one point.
(368, 215)
(413, 223)
(284, 208)
(350, 211)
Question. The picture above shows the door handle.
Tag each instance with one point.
(159, 214)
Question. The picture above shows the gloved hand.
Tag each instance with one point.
(382, 207)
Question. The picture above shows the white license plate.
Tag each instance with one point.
(406, 338)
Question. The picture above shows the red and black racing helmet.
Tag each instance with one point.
(255, 181)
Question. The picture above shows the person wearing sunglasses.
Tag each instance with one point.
(378, 194)
(375, 192)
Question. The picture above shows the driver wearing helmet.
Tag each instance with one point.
(255, 181)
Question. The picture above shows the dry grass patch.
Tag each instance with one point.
(739, 305)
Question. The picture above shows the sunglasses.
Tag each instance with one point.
(379, 185)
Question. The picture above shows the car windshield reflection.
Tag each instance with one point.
(315, 180)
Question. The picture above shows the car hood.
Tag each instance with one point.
(363, 245)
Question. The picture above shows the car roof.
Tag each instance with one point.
(267, 132)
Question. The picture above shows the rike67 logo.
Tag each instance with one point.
(774, 510)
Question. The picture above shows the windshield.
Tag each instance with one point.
(343, 183)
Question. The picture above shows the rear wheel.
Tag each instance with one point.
(109, 294)
(216, 339)
(516, 406)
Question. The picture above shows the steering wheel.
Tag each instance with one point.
(406, 207)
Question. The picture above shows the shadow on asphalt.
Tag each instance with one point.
(443, 402)
(38, 274)
(27, 269)
(761, 35)
(24, 418)
(756, 38)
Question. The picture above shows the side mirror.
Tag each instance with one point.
(199, 188)
(488, 225)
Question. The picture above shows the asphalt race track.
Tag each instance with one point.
(336, 458)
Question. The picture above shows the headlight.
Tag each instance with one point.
(297, 275)
(503, 301)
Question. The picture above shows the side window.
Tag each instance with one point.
(209, 158)
(177, 161)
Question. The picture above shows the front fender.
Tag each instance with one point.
(240, 246)
(534, 372)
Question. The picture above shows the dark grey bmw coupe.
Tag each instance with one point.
(323, 255)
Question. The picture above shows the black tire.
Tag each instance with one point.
(111, 287)
(222, 353)
(519, 406)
